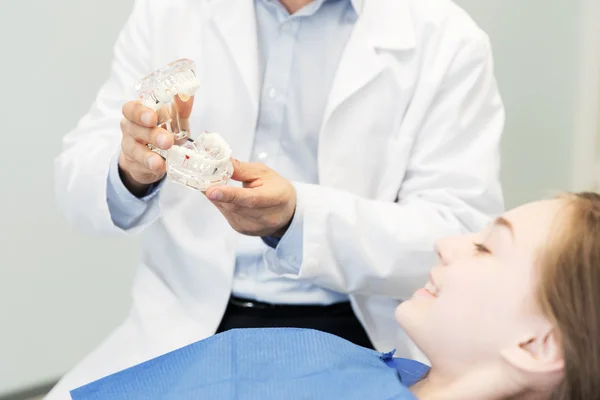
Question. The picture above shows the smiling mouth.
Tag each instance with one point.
(431, 288)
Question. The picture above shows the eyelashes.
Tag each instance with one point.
(480, 248)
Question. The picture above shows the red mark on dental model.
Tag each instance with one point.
(183, 164)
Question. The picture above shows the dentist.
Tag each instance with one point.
(367, 130)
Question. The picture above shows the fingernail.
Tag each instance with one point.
(162, 141)
(146, 118)
(216, 195)
(151, 163)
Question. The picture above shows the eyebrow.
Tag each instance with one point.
(504, 222)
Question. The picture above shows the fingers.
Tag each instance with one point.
(143, 159)
(233, 195)
(248, 172)
(137, 113)
(156, 136)
(258, 198)
(141, 165)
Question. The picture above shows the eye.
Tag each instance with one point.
(480, 248)
(439, 257)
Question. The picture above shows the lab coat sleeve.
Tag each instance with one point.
(82, 168)
(127, 210)
(364, 246)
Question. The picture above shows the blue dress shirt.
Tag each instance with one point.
(299, 54)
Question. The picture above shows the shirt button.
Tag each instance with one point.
(262, 156)
(272, 93)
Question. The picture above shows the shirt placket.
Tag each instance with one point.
(274, 93)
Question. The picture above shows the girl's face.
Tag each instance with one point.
(480, 299)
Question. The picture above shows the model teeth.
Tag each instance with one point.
(161, 86)
(201, 163)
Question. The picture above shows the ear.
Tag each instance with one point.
(539, 353)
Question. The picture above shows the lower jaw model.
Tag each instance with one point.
(199, 163)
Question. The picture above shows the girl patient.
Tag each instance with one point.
(512, 312)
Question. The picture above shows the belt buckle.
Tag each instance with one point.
(244, 303)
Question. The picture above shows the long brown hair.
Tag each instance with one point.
(569, 294)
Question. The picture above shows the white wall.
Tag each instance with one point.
(535, 45)
(60, 294)
(586, 171)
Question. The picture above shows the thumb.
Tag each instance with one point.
(246, 171)
(228, 194)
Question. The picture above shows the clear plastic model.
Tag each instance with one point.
(199, 163)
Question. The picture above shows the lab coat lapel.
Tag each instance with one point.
(236, 22)
(381, 25)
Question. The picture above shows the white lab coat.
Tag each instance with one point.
(408, 152)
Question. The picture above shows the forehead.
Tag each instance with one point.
(532, 223)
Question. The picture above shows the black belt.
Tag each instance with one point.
(290, 310)
(337, 319)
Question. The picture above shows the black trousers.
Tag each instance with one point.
(337, 319)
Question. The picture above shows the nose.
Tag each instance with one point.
(454, 248)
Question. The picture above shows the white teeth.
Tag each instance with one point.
(431, 288)
(202, 163)
(158, 88)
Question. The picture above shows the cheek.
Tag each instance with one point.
(464, 302)
(482, 311)
(441, 327)
(455, 300)
(472, 300)
(459, 305)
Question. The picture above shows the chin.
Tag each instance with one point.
(411, 320)
(403, 313)
(411, 315)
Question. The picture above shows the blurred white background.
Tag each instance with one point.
(61, 293)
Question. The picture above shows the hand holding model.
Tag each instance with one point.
(156, 135)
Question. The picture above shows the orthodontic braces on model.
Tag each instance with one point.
(199, 163)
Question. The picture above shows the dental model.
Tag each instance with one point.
(199, 163)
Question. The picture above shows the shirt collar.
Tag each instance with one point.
(357, 5)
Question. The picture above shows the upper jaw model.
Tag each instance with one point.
(199, 163)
